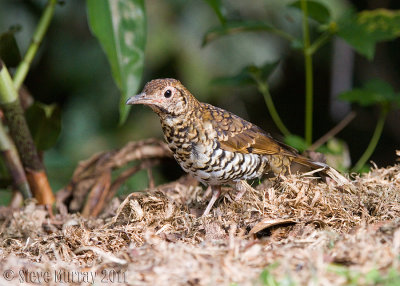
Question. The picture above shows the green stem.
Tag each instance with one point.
(44, 22)
(9, 95)
(18, 127)
(322, 40)
(7, 91)
(283, 34)
(309, 74)
(374, 141)
(264, 89)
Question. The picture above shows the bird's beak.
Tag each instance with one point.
(137, 99)
(141, 98)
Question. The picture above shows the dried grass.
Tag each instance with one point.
(309, 228)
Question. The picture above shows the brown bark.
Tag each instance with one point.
(40, 187)
(30, 159)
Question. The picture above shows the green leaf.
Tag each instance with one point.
(234, 28)
(44, 122)
(242, 78)
(120, 27)
(373, 92)
(316, 11)
(246, 75)
(266, 276)
(9, 51)
(266, 70)
(216, 5)
(296, 142)
(337, 154)
(363, 30)
(360, 96)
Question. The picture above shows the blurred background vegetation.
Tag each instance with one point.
(72, 71)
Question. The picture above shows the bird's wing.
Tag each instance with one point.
(238, 135)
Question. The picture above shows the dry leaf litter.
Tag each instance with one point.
(300, 229)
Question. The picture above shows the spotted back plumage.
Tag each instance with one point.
(214, 145)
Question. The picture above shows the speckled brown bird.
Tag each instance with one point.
(214, 145)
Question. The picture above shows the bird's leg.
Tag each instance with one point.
(207, 192)
(216, 192)
(242, 186)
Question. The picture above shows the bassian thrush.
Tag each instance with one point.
(214, 145)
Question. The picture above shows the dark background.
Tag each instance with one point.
(72, 71)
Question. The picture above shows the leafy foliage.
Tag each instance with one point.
(120, 26)
(9, 51)
(316, 11)
(218, 8)
(373, 92)
(235, 27)
(44, 122)
(247, 75)
(372, 277)
(363, 30)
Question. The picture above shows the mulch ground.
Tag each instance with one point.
(295, 230)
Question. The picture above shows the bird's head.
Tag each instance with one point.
(167, 97)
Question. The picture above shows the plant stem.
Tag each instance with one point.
(7, 90)
(44, 22)
(13, 163)
(19, 131)
(16, 122)
(309, 74)
(283, 34)
(11, 158)
(374, 141)
(331, 133)
(264, 89)
(325, 37)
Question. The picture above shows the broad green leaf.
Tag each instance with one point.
(242, 78)
(216, 5)
(45, 124)
(363, 30)
(361, 96)
(246, 75)
(316, 10)
(236, 27)
(9, 51)
(373, 92)
(296, 142)
(120, 27)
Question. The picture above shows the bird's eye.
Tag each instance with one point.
(167, 93)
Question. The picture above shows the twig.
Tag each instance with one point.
(90, 171)
(150, 178)
(98, 195)
(335, 130)
(127, 174)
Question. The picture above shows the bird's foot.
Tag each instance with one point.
(242, 186)
(216, 192)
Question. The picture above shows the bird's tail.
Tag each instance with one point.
(322, 168)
